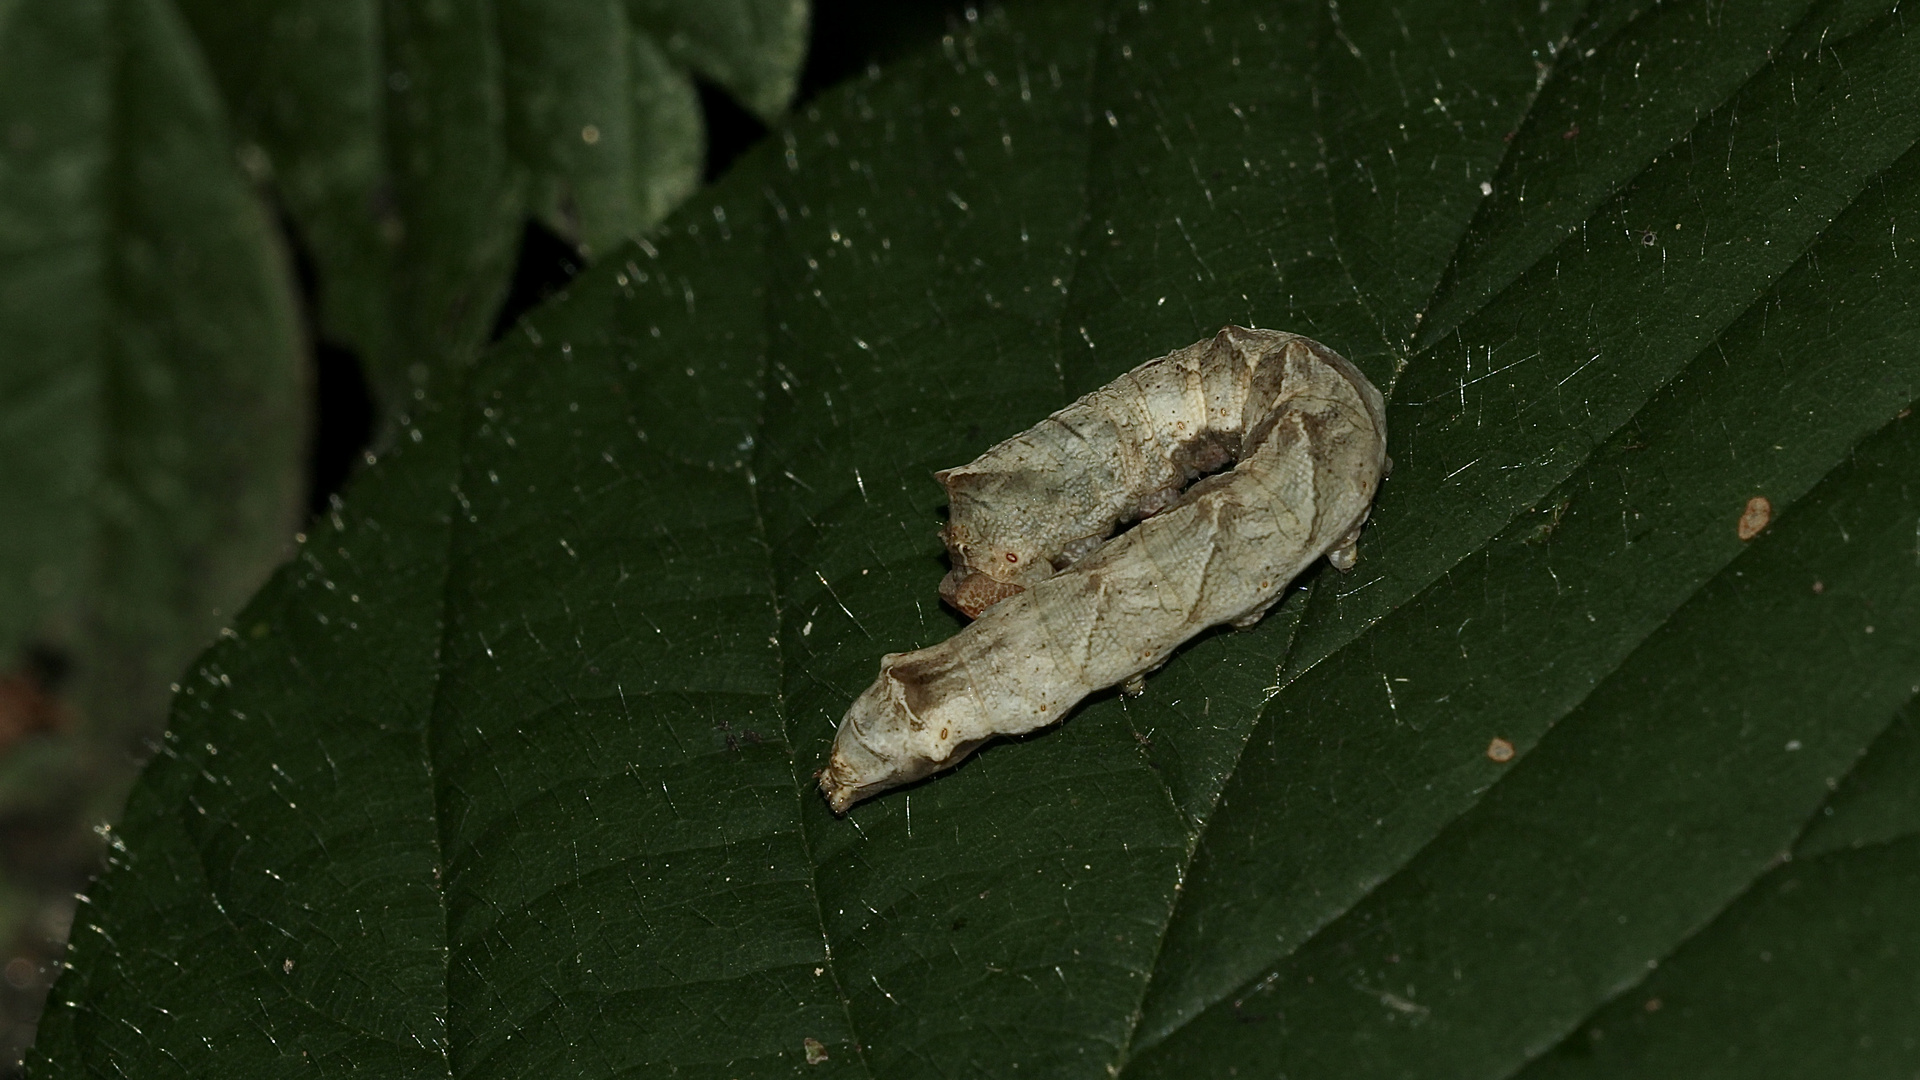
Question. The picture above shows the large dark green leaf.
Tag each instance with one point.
(410, 138)
(152, 382)
(510, 774)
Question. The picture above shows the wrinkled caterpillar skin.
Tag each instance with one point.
(1061, 611)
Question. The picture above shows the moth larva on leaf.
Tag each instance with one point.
(1059, 609)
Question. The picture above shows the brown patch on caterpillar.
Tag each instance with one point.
(1063, 605)
(974, 592)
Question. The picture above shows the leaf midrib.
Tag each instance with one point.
(458, 433)
(769, 323)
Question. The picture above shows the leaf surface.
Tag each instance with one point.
(152, 382)
(687, 508)
(1877, 802)
(1812, 970)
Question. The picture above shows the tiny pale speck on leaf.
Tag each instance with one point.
(286, 968)
(1755, 517)
(1500, 750)
(816, 1053)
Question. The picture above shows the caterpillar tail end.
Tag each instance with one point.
(874, 749)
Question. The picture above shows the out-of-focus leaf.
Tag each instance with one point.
(609, 126)
(754, 48)
(688, 508)
(153, 418)
(328, 907)
(152, 383)
(409, 139)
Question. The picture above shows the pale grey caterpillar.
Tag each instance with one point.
(1060, 609)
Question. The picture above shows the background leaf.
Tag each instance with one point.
(409, 139)
(153, 403)
(510, 771)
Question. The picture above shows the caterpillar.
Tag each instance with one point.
(1061, 606)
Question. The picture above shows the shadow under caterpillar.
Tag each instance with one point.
(1060, 610)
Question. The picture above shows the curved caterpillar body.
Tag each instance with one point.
(1060, 610)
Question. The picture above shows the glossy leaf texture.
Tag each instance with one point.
(153, 384)
(409, 139)
(510, 773)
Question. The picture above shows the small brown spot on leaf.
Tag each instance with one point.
(1500, 750)
(1572, 132)
(1819, 587)
(1652, 1005)
(816, 1053)
(1755, 517)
